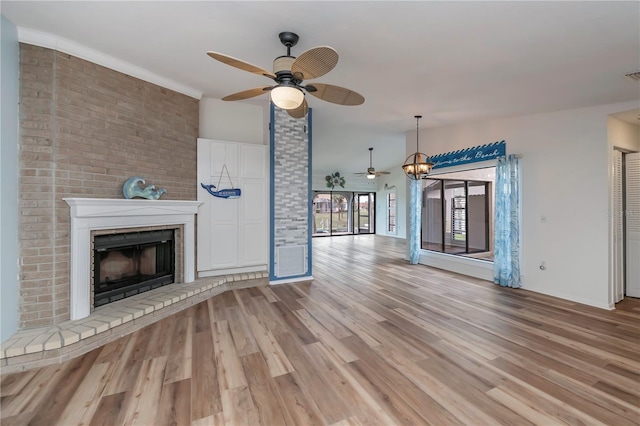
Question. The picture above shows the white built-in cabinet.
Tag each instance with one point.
(232, 233)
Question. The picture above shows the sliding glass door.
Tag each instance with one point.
(343, 213)
(363, 211)
(340, 223)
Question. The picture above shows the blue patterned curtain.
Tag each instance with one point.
(506, 263)
(415, 204)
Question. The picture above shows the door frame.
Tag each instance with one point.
(371, 204)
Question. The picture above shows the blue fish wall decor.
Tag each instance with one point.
(223, 193)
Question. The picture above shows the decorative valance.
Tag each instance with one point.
(469, 155)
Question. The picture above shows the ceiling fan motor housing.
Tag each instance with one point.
(283, 64)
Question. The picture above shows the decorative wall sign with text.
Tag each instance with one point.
(469, 155)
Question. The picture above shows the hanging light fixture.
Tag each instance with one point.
(287, 96)
(417, 166)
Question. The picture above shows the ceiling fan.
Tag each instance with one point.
(289, 74)
(371, 172)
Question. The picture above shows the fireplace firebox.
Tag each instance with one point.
(130, 263)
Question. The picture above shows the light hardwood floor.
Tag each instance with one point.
(372, 340)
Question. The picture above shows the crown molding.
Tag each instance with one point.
(38, 38)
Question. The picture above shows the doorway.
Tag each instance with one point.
(632, 223)
(626, 224)
(343, 213)
(364, 207)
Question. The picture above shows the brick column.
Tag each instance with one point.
(290, 196)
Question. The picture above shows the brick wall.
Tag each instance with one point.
(85, 129)
(290, 188)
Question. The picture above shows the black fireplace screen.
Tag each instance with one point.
(132, 263)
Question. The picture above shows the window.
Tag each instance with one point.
(457, 213)
(343, 213)
(391, 213)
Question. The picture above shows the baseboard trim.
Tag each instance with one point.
(462, 265)
(292, 280)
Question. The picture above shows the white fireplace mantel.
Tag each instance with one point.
(90, 214)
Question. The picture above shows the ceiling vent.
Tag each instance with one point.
(635, 76)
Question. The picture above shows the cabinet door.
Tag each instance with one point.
(253, 162)
(224, 246)
(217, 232)
(221, 154)
(253, 223)
(232, 233)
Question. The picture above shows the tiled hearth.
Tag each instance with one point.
(90, 328)
(42, 346)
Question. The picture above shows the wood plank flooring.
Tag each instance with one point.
(371, 341)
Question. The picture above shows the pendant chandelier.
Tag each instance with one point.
(417, 166)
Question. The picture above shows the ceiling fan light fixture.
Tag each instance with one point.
(418, 165)
(371, 176)
(287, 97)
(289, 74)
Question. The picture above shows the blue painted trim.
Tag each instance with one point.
(310, 194)
(475, 154)
(272, 154)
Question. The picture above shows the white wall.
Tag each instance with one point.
(233, 121)
(398, 181)
(565, 193)
(9, 60)
(353, 183)
(623, 134)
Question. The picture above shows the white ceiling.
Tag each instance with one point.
(451, 62)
